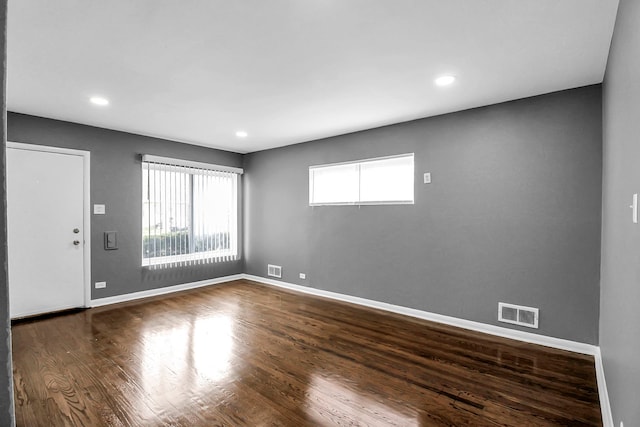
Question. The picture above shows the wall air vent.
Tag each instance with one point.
(518, 315)
(274, 270)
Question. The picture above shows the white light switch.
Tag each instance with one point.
(98, 209)
(427, 178)
(634, 209)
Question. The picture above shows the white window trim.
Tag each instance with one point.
(372, 159)
(367, 203)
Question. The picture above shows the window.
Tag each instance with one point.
(189, 212)
(386, 180)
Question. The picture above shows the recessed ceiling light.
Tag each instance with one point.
(98, 100)
(445, 80)
(241, 134)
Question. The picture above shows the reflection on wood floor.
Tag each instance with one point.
(245, 354)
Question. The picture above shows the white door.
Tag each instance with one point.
(45, 230)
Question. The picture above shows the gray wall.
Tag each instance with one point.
(620, 287)
(116, 181)
(6, 385)
(513, 215)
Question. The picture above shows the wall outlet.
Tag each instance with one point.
(427, 178)
(100, 285)
(303, 276)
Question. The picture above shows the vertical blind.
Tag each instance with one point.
(190, 212)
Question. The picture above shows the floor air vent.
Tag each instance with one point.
(274, 270)
(518, 315)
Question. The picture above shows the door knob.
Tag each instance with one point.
(76, 242)
(76, 230)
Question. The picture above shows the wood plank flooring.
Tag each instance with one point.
(245, 354)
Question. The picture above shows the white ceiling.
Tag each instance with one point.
(289, 71)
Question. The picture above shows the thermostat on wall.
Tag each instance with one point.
(110, 240)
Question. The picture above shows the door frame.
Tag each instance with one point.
(86, 214)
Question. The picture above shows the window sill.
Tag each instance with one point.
(406, 202)
(190, 259)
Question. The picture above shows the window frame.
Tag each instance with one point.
(191, 169)
(358, 163)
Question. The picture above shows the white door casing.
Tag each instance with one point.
(48, 229)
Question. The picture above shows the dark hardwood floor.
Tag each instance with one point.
(245, 354)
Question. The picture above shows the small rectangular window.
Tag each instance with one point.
(387, 180)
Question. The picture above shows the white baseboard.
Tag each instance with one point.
(559, 343)
(605, 405)
(162, 291)
(529, 337)
(562, 344)
(553, 342)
